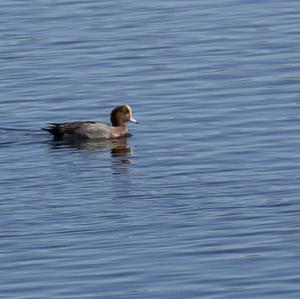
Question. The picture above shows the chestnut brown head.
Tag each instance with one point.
(120, 115)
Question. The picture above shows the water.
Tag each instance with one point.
(202, 201)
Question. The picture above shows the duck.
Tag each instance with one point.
(93, 130)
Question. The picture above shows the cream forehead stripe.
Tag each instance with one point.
(130, 111)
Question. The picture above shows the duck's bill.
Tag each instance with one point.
(133, 120)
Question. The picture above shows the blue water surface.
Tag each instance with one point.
(202, 201)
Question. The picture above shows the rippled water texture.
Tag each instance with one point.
(202, 201)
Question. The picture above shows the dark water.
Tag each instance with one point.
(203, 201)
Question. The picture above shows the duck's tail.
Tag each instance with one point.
(54, 130)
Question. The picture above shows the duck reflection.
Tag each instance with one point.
(118, 147)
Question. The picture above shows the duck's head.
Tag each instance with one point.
(120, 115)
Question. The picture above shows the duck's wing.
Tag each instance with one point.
(59, 129)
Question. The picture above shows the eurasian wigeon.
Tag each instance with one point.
(94, 129)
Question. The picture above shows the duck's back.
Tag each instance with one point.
(81, 129)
